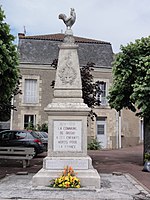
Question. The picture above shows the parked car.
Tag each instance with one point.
(21, 138)
(44, 138)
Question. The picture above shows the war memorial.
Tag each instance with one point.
(67, 119)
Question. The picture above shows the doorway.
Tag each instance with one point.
(101, 131)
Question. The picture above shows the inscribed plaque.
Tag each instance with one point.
(67, 136)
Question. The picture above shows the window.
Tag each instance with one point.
(20, 135)
(101, 125)
(6, 136)
(30, 91)
(29, 121)
(100, 129)
(101, 94)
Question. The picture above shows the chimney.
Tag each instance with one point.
(21, 35)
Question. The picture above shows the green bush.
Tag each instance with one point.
(38, 127)
(31, 127)
(147, 157)
(94, 145)
(42, 127)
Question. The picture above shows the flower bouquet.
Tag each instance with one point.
(66, 180)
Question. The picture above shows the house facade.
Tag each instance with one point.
(37, 53)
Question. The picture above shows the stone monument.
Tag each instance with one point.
(67, 119)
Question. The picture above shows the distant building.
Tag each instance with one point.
(36, 55)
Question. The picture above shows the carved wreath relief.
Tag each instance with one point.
(67, 74)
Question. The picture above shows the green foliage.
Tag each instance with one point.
(31, 126)
(9, 73)
(88, 87)
(131, 73)
(94, 145)
(146, 157)
(43, 127)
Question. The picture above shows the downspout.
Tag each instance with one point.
(11, 114)
(119, 131)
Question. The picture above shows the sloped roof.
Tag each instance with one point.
(43, 49)
(60, 37)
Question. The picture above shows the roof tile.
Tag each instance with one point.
(60, 37)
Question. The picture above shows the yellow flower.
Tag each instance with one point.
(59, 180)
(60, 185)
(71, 178)
(75, 179)
(56, 180)
(78, 186)
(67, 180)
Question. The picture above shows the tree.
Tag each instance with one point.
(131, 84)
(89, 88)
(9, 72)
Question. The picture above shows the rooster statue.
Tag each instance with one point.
(69, 21)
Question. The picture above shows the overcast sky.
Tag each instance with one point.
(115, 21)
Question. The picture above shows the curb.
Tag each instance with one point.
(142, 188)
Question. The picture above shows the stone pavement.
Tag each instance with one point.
(125, 160)
(113, 187)
(132, 184)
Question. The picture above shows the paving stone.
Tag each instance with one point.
(112, 188)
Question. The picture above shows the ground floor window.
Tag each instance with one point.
(100, 129)
(29, 121)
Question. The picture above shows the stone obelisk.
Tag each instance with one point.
(67, 119)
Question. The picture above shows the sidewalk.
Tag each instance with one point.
(126, 160)
(130, 183)
(19, 187)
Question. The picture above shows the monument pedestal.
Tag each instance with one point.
(88, 178)
(67, 124)
(53, 167)
(67, 145)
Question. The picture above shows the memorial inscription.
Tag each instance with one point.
(67, 136)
